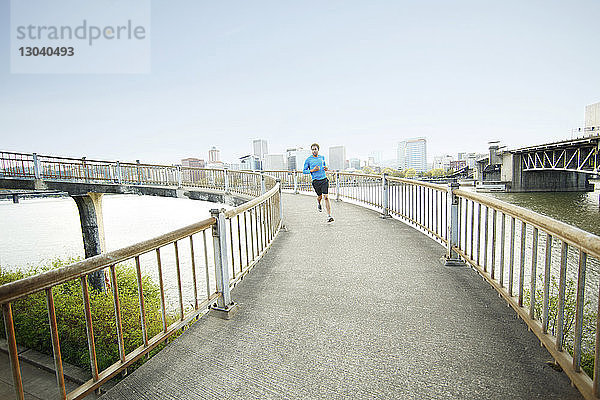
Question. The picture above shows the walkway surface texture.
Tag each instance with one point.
(361, 308)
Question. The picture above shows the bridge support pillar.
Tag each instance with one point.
(92, 230)
(452, 259)
(225, 308)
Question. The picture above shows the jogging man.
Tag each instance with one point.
(315, 165)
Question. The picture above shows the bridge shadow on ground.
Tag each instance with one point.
(361, 308)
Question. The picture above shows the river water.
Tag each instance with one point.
(37, 231)
(578, 209)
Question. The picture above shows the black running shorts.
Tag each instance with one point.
(321, 186)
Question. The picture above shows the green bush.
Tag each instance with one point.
(32, 327)
(589, 319)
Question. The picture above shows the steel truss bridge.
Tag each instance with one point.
(578, 155)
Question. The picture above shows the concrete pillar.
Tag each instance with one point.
(92, 230)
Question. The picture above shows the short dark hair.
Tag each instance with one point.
(313, 145)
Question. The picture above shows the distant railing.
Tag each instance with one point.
(240, 237)
(473, 228)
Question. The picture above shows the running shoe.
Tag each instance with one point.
(330, 219)
(319, 207)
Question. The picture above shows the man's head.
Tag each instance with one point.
(315, 149)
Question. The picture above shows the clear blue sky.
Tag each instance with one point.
(364, 74)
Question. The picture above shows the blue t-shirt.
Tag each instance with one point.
(312, 162)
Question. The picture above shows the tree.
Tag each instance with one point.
(410, 173)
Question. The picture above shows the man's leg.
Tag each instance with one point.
(327, 205)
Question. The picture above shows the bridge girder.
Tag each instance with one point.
(584, 157)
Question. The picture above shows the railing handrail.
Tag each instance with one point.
(586, 241)
(249, 204)
(14, 290)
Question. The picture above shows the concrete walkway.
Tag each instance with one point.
(361, 308)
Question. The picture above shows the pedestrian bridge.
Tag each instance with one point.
(367, 307)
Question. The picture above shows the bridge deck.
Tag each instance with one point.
(361, 308)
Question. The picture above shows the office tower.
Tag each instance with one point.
(592, 118)
(259, 148)
(214, 155)
(295, 158)
(274, 162)
(193, 162)
(412, 153)
(189, 165)
(250, 162)
(337, 158)
(355, 163)
(401, 155)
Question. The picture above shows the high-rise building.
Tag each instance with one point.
(443, 162)
(259, 148)
(274, 162)
(401, 155)
(250, 162)
(189, 172)
(592, 118)
(296, 157)
(355, 163)
(337, 158)
(412, 153)
(214, 155)
(193, 162)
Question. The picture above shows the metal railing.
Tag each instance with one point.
(512, 261)
(474, 228)
(240, 237)
(471, 226)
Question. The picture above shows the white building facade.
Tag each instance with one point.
(337, 158)
(412, 153)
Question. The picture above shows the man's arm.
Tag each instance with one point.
(325, 165)
(306, 169)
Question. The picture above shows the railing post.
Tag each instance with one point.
(224, 308)
(139, 177)
(386, 190)
(452, 258)
(179, 179)
(263, 189)
(225, 172)
(337, 185)
(85, 170)
(295, 182)
(280, 203)
(119, 173)
(36, 167)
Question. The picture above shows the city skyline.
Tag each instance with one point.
(363, 75)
